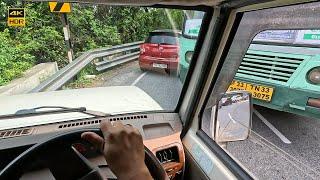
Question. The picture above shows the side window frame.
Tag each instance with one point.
(300, 16)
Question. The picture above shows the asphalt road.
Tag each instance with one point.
(263, 153)
(297, 160)
(159, 85)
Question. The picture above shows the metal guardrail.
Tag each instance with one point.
(65, 74)
(102, 66)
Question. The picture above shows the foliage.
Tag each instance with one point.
(38, 42)
(81, 80)
(134, 23)
(91, 26)
(12, 61)
(88, 32)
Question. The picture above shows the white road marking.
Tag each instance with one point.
(275, 130)
(138, 79)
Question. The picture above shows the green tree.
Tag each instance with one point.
(89, 32)
(21, 48)
(13, 58)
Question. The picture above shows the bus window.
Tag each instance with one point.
(192, 23)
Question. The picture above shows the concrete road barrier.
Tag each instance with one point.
(30, 79)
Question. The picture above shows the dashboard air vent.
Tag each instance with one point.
(79, 123)
(128, 117)
(168, 155)
(92, 122)
(15, 133)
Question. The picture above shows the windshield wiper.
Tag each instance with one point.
(56, 110)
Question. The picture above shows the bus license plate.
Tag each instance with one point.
(258, 92)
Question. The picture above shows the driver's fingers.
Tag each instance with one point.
(111, 127)
(118, 126)
(94, 139)
(105, 127)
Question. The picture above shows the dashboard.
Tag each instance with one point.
(160, 132)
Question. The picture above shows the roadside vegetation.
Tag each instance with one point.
(82, 80)
(91, 27)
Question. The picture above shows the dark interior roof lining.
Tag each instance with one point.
(241, 3)
(148, 2)
(185, 3)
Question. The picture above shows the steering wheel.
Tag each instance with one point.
(65, 162)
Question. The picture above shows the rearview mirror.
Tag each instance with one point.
(233, 116)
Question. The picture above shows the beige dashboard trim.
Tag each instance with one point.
(166, 142)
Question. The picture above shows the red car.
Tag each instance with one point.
(160, 51)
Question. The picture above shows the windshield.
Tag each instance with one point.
(89, 55)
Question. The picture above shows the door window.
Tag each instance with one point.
(278, 75)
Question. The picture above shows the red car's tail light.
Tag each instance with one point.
(142, 50)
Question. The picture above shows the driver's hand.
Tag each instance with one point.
(123, 149)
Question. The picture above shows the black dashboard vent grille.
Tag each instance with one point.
(128, 117)
(15, 133)
(79, 123)
(92, 122)
(168, 155)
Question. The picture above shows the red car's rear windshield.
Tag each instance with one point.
(163, 38)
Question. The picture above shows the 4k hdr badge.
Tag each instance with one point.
(16, 17)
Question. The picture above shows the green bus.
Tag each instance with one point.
(187, 41)
(281, 68)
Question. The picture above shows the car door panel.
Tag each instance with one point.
(207, 163)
